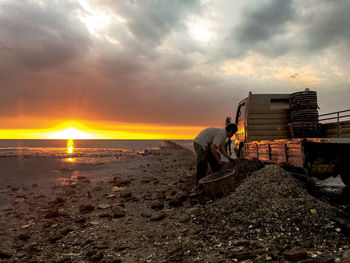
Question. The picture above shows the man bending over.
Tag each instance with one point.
(206, 145)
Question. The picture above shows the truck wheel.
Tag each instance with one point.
(345, 176)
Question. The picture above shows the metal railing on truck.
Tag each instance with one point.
(337, 115)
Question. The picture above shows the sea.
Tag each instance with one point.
(79, 148)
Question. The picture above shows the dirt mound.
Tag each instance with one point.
(273, 208)
(244, 168)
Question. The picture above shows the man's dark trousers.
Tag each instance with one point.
(204, 156)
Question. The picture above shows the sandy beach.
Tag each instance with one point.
(140, 209)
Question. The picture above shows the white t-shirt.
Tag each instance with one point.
(211, 135)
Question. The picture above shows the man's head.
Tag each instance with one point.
(231, 129)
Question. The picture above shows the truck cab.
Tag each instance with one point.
(262, 117)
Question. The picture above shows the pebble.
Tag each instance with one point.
(157, 216)
(184, 218)
(118, 211)
(125, 193)
(181, 196)
(121, 181)
(146, 212)
(20, 255)
(156, 204)
(103, 206)
(97, 257)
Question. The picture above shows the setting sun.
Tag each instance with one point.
(70, 133)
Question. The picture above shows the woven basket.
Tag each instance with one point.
(218, 184)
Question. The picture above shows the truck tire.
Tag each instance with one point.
(345, 176)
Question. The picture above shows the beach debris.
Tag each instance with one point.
(156, 204)
(111, 196)
(118, 211)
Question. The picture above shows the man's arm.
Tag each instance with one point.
(213, 149)
(224, 153)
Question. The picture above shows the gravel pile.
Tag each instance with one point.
(275, 213)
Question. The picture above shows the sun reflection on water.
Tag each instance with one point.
(70, 146)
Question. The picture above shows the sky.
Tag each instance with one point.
(162, 68)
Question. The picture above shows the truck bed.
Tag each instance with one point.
(298, 152)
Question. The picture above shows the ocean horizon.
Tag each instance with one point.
(81, 147)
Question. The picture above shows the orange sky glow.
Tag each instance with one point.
(88, 130)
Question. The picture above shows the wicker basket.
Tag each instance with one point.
(218, 184)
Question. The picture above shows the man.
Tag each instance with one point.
(206, 145)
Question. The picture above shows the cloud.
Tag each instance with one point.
(261, 28)
(326, 25)
(37, 34)
(164, 62)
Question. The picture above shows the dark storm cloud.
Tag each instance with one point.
(261, 27)
(151, 21)
(37, 35)
(326, 26)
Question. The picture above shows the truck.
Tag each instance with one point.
(319, 149)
